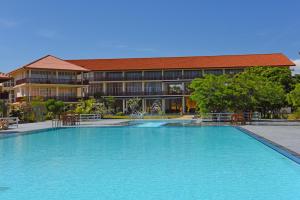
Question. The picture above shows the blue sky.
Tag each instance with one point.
(139, 28)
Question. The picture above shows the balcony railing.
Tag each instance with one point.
(59, 98)
(52, 81)
(140, 93)
(181, 77)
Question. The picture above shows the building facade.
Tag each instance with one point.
(159, 82)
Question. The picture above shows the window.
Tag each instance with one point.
(37, 74)
(173, 75)
(98, 76)
(133, 75)
(174, 88)
(133, 87)
(153, 87)
(114, 76)
(114, 88)
(96, 88)
(233, 71)
(67, 92)
(152, 75)
(191, 74)
(213, 71)
(44, 92)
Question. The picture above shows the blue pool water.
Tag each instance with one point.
(132, 163)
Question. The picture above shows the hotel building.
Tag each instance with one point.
(162, 80)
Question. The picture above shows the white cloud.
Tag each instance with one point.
(6, 23)
(297, 67)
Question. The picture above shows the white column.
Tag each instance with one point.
(57, 92)
(183, 105)
(29, 92)
(124, 105)
(143, 86)
(163, 105)
(144, 104)
(104, 88)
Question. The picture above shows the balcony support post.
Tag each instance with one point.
(29, 93)
(57, 92)
(163, 105)
(183, 105)
(124, 105)
(144, 105)
(123, 87)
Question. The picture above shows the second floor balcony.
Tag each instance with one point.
(139, 93)
(52, 81)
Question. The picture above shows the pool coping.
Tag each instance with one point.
(292, 155)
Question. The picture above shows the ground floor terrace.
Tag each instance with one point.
(157, 105)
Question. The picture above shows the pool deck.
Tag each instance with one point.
(48, 124)
(285, 136)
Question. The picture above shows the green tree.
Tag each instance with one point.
(211, 93)
(85, 106)
(110, 104)
(247, 91)
(270, 97)
(294, 96)
(134, 104)
(90, 106)
(282, 75)
(55, 107)
(39, 109)
(3, 108)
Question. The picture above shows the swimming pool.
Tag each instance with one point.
(141, 163)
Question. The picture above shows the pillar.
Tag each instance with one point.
(104, 88)
(57, 92)
(144, 105)
(124, 105)
(183, 105)
(29, 93)
(163, 105)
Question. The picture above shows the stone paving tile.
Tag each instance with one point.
(286, 136)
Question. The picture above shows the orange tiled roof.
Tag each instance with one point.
(225, 61)
(4, 77)
(51, 62)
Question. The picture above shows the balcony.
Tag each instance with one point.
(145, 93)
(58, 98)
(52, 81)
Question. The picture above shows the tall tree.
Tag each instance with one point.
(281, 75)
(294, 96)
(211, 93)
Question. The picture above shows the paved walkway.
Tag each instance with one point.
(286, 136)
(48, 124)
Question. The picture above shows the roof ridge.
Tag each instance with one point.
(48, 55)
(168, 57)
